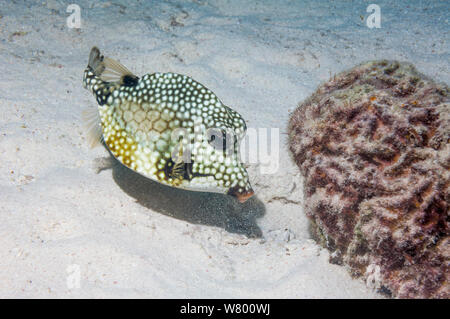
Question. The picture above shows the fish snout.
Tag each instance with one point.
(241, 195)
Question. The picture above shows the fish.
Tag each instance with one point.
(167, 127)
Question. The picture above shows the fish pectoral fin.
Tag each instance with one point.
(177, 170)
(92, 124)
(109, 70)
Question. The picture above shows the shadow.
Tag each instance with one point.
(210, 209)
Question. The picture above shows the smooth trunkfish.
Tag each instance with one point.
(167, 127)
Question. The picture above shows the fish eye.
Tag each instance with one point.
(216, 138)
(221, 139)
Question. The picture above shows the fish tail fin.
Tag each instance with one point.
(96, 61)
(110, 70)
(93, 71)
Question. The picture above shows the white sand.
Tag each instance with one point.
(131, 237)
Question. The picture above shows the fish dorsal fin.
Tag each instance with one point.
(92, 124)
(115, 71)
(109, 70)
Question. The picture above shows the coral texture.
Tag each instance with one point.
(373, 147)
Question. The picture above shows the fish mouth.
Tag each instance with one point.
(243, 196)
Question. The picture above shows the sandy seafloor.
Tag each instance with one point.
(64, 205)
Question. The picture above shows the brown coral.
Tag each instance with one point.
(373, 146)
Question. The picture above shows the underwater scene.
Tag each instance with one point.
(225, 149)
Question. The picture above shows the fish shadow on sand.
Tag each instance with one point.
(194, 207)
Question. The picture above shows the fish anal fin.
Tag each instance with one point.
(92, 124)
